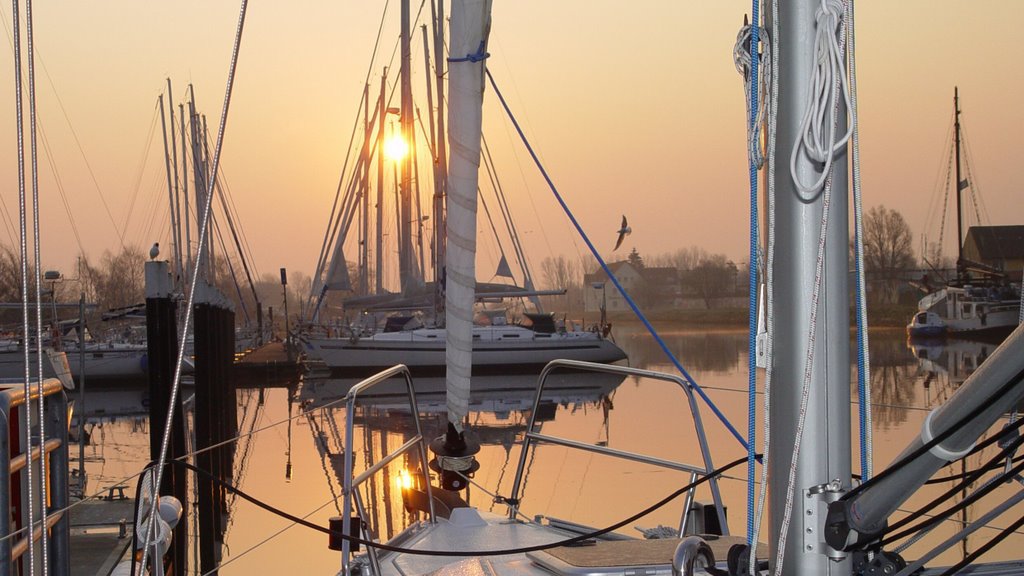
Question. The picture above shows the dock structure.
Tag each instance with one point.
(101, 533)
(268, 366)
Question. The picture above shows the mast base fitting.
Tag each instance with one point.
(454, 460)
(841, 532)
(881, 563)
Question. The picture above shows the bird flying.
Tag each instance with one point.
(623, 232)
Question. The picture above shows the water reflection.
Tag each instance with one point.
(500, 408)
(292, 441)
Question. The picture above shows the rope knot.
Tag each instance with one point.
(479, 56)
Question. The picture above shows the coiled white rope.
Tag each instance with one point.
(816, 139)
(744, 61)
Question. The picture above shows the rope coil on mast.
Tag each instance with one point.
(817, 137)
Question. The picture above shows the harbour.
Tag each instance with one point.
(491, 364)
(289, 451)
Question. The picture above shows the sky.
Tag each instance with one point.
(635, 110)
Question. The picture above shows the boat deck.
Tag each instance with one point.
(471, 530)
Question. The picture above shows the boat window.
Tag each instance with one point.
(510, 335)
(922, 318)
(965, 310)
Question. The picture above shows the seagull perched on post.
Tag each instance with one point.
(623, 232)
(154, 251)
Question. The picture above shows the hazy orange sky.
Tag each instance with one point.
(635, 111)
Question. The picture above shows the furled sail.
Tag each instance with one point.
(470, 22)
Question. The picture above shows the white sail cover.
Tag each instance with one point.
(470, 22)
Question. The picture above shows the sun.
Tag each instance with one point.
(395, 148)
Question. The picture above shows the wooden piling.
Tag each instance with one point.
(162, 359)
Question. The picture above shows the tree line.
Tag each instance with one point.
(116, 280)
(889, 261)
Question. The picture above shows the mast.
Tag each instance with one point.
(167, 164)
(176, 203)
(406, 264)
(187, 246)
(436, 202)
(379, 228)
(960, 184)
(441, 161)
(825, 441)
(470, 23)
(364, 229)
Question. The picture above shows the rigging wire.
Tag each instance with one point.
(140, 172)
(930, 523)
(988, 545)
(74, 134)
(976, 197)
(939, 438)
(863, 350)
(967, 480)
(203, 238)
(636, 310)
(60, 189)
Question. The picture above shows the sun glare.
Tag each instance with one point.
(395, 148)
(404, 480)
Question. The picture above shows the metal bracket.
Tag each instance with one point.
(816, 502)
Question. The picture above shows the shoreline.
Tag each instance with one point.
(879, 317)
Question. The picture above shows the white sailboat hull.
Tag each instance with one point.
(110, 362)
(493, 346)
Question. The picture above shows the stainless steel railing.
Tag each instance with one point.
(350, 494)
(51, 444)
(532, 436)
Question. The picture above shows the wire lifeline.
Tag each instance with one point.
(604, 266)
(458, 553)
(203, 238)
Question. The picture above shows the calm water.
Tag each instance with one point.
(297, 464)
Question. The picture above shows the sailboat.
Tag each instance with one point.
(980, 302)
(416, 331)
(821, 522)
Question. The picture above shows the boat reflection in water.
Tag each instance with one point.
(499, 410)
(946, 364)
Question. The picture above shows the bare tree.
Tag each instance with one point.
(563, 273)
(888, 251)
(714, 277)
